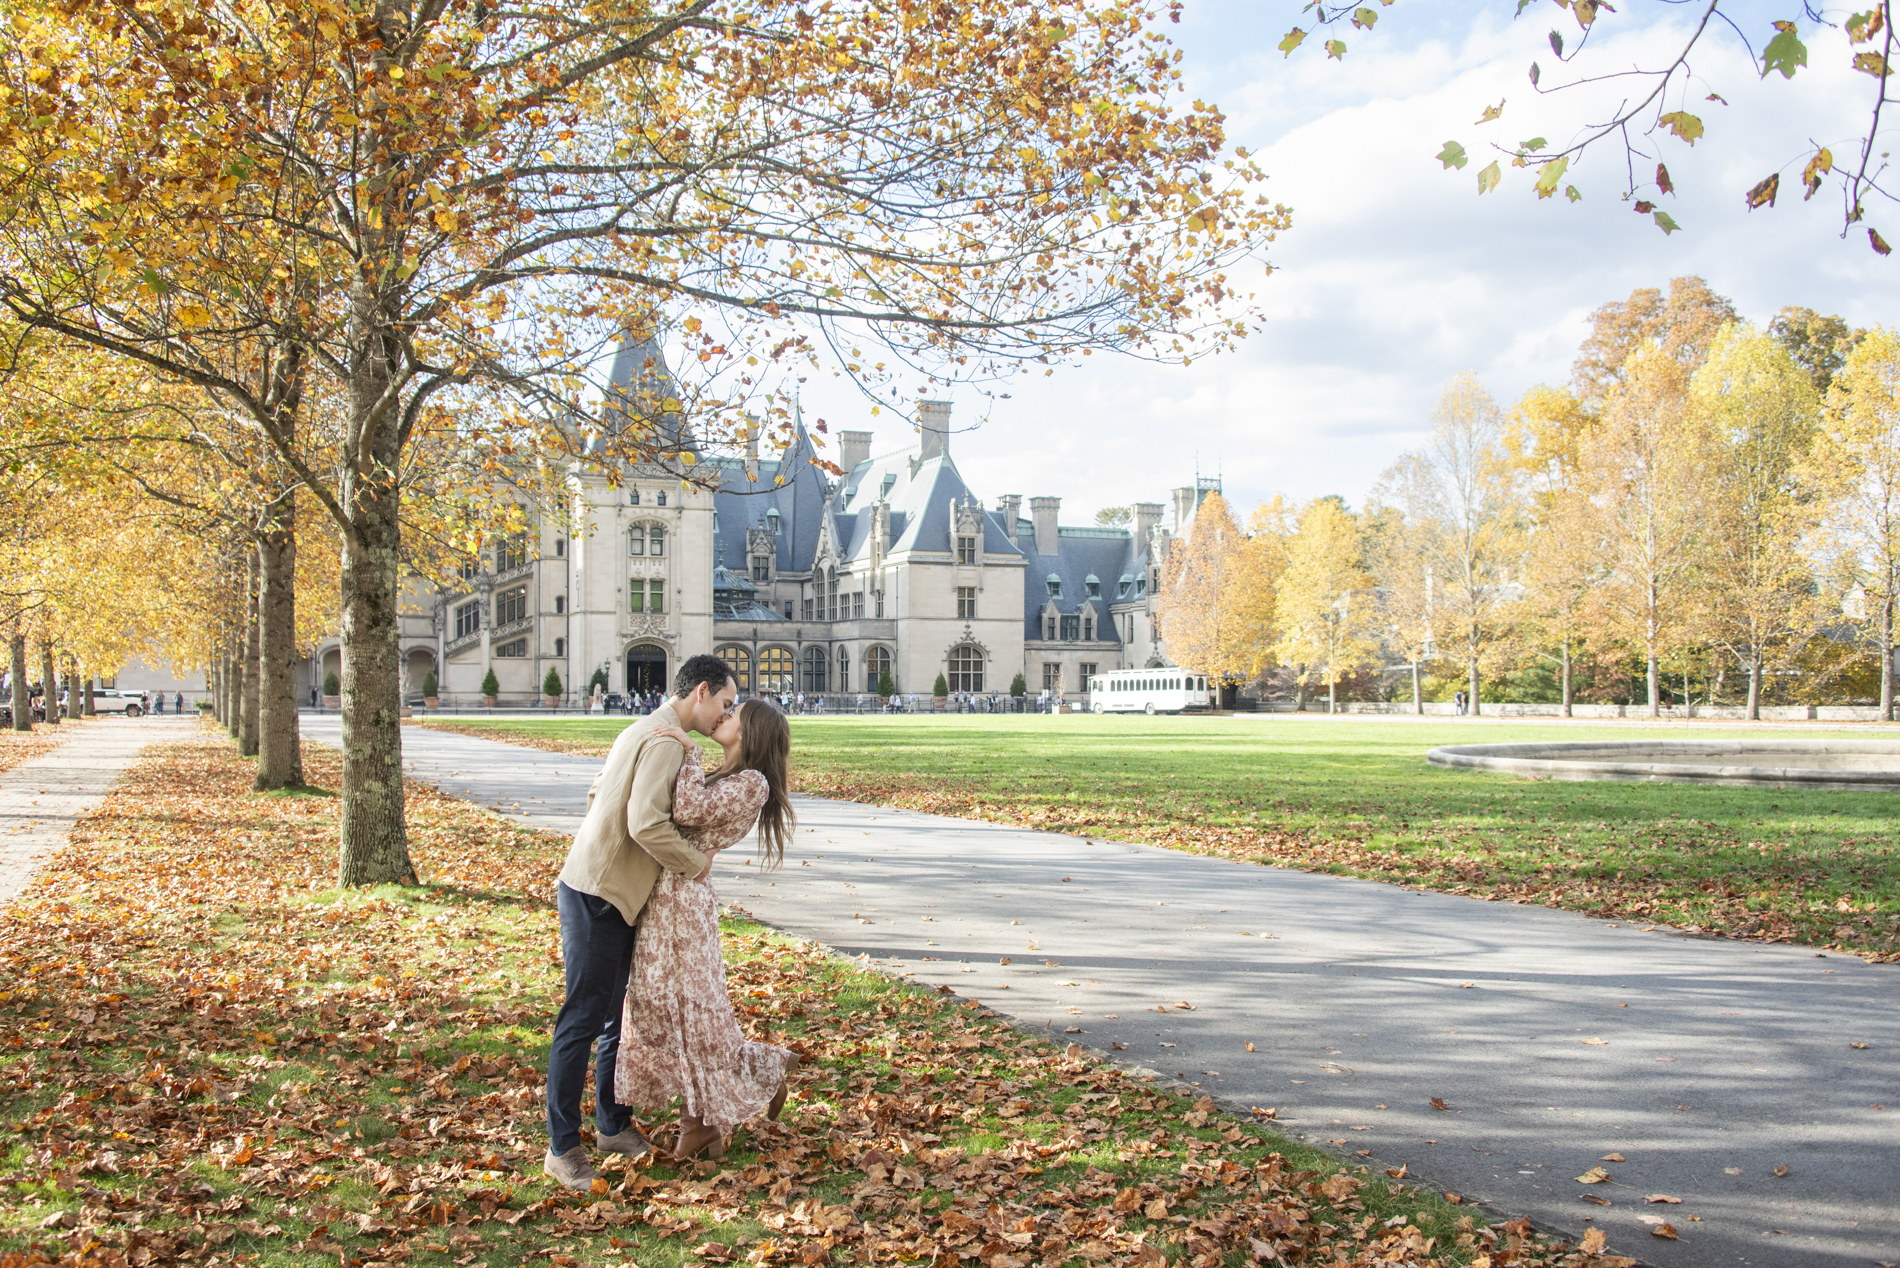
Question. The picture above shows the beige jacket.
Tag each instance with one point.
(629, 833)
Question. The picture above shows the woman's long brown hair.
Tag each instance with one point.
(765, 745)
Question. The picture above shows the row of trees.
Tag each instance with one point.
(1705, 496)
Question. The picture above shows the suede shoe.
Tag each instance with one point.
(571, 1170)
(630, 1143)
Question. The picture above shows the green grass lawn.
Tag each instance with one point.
(1355, 796)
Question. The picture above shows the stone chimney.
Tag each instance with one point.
(1009, 509)
(1185, 503)
(1147, 516)
(1043, 512)
(752, 429)
(853, 447)
(933, 423)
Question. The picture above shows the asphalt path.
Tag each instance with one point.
(1757, 1084)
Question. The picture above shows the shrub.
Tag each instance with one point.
(885, 686)
(428, 684)
(491, 686)
(331, 687)
(551, 685)
(1017, 686)
(598, 680)
(942, 688)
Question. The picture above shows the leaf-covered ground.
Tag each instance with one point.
(208, 1055)
(1356, 798)
(23, 746)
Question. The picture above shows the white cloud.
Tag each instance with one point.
(1396, 276)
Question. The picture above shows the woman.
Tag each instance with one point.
(678, 1036)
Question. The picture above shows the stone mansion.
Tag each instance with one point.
(820, 584)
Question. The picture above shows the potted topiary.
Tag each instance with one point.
(1017, 687)
(332, 691)
(551, 688)
(491, 688)
(886, 688)
(941, 691)
(429, 697)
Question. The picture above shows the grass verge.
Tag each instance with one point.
(1356, 798)
(208, 1055)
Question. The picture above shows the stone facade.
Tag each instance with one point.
(818, 584)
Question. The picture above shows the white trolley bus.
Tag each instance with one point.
(1148, 691)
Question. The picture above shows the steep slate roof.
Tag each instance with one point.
(636, 388)
(1080, 553)
(800, 502)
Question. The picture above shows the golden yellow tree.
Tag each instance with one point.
(1208, 614)
(1327, 610)
(1761, 410)
(1857, 458)
(1643, 480)
(1543, 433)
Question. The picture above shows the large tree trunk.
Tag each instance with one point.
(1332, 692)
(1754, 685)
(233, 679)
(1568, 698)
(279, 755)
(16, 671)
(49, 684)
(1418, 698)
(248, 704)
(87, 687)
(1473, 667)
(375, 845)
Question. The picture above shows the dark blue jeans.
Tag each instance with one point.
(597, 946)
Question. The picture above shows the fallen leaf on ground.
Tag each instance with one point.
(1591, 1197)
(1614, 1158)
(1663, 1197)
(1595, 1041)
(1780, 1168)
(1595, 1175)
(1667, 1231)
(1438, 1103)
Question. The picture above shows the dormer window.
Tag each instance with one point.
(966, 550)
(1055, 586)
(1094, 586)
(771, 520)
(761, 568)
(890, 482)
(660, 500)
(1126, 587)
(633, 497)
(1141, 586)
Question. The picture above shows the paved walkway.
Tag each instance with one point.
(40, 800)
(1551, 1038)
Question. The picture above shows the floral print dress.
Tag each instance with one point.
(678, 1036)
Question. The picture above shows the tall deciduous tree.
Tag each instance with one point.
(418, 201)
(1460, 493)
(1643, 474)
(1204, 617)
(1761, 410)
(1327, 612)
(1682, 326)
(1857, 457)
(1543, 435)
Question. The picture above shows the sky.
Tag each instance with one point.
(1396, 276)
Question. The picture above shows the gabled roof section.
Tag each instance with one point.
(797, 507)
(1080, 553)
(642, 394)
(920, 501)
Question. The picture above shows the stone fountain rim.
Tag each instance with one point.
(1590, 760)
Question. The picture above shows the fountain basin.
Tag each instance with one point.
(1866, 765)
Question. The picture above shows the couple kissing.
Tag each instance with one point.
(646, 984)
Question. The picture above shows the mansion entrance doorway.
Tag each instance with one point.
(646, 669)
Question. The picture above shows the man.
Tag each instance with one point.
(626, 838)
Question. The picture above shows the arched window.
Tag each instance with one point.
(633, 497)
(775, 669)
(877, 663)
(560, 647)
(637, 540)
(844, 670)
(661, 499)
(739, 661)
(966, 669)
(815, 665)
(656, 538)
(831, 595)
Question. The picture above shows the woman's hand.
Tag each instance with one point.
(667, 731)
